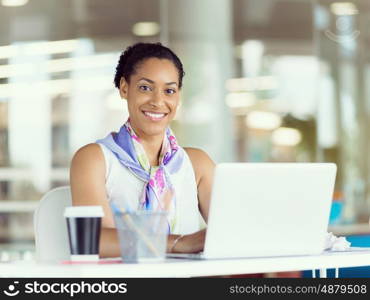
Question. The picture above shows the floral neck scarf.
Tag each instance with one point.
(158, 192)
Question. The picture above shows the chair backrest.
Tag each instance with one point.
(51, 236)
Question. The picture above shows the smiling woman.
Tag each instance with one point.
(141, 167)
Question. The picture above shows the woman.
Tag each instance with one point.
(142, 163)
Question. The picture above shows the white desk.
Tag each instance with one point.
(189, 268)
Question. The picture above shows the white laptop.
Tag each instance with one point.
(268, 209)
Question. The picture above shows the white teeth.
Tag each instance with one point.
(154, 115)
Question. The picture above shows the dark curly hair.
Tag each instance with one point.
(137, 53)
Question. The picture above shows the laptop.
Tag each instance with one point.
(268, 209)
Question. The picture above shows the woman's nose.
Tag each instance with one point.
(157, 99)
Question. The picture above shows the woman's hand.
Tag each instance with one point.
(190, 243)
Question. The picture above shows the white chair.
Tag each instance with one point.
(51, 236)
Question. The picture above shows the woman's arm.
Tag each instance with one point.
(204, 169)
(87, 179)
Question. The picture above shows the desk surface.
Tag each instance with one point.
(188, 268)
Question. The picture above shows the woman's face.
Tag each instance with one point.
(152, 96)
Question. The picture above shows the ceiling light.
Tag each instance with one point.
(60, 65)
(284, 136)
(145, 28)
(13, 2)
(240, 100)
(57, 86)
(263, 120)
(53, 47)
(37, 48)
(343, 8)
(250, 84)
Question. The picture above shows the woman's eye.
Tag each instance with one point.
(144, 88)
(170, 91)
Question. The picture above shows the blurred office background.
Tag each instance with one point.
(266, 80)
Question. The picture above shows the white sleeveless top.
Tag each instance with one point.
(120, 181)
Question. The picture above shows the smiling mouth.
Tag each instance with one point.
(155, 116)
